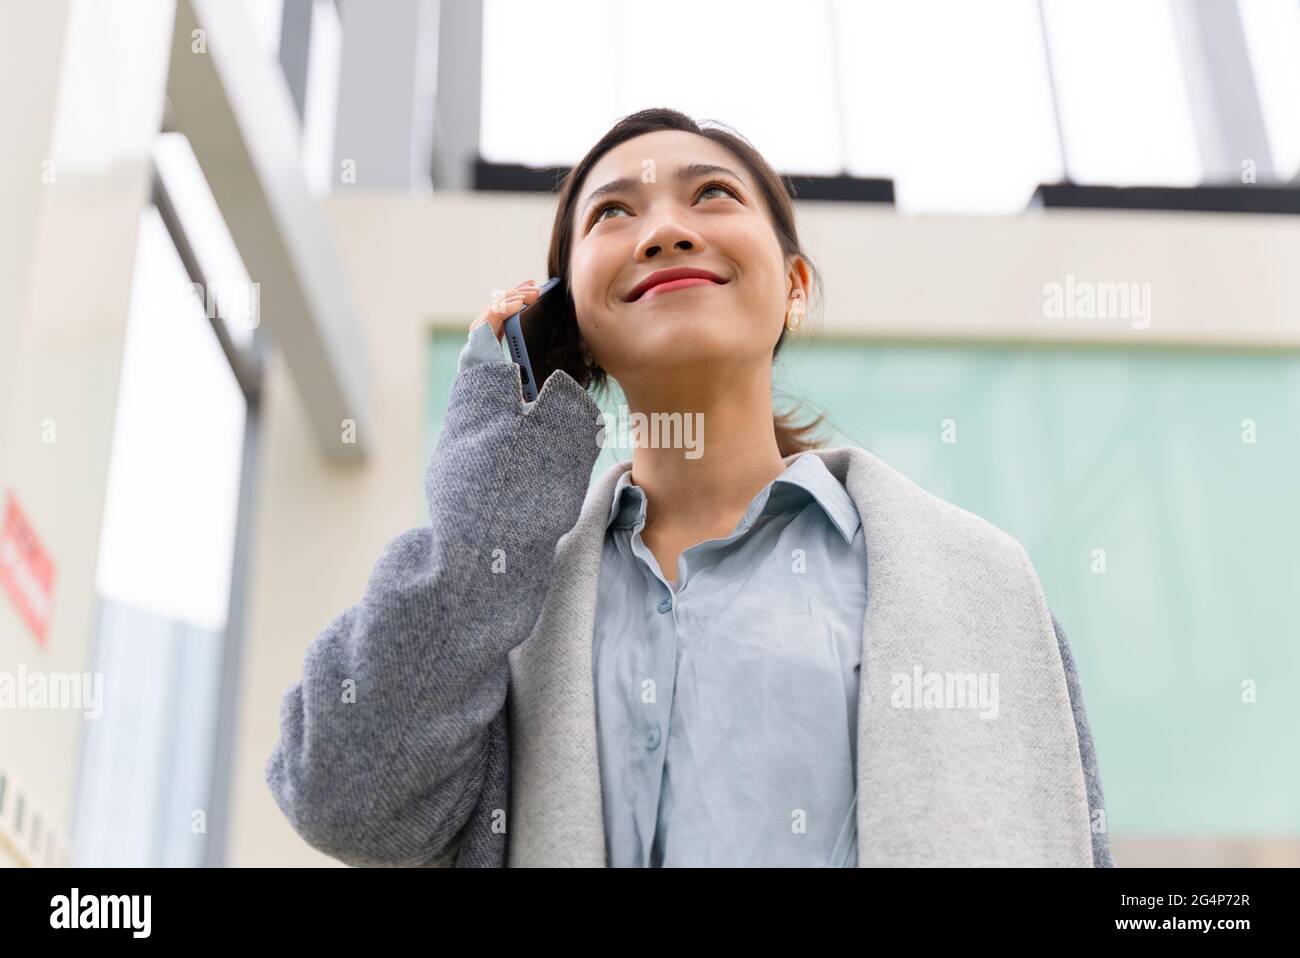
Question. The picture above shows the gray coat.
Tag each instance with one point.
(447, 718)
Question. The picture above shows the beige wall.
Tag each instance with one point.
(63, 341)
(414, 262)
(1215, 279)
(29, 82)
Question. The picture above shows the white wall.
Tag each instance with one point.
(63, 308)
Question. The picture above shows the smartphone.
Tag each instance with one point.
(532, 334)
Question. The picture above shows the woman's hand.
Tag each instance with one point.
(506, 305)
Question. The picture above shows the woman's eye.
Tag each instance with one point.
(719, 186)
(600, 213)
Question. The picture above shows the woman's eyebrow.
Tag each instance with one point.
(632, 183)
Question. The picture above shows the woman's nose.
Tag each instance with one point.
(668, 234)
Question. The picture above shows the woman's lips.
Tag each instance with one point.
(673, 284)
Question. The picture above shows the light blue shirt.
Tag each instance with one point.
(726, 711)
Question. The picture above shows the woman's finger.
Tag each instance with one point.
(506, 305)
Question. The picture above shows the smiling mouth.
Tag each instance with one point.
(678, 277)
(673, 284)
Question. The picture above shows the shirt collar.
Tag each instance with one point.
(805, 479)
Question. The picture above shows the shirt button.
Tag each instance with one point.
(665, 604)
(652, 738)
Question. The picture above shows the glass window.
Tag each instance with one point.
(951, 100)
(1122, 96)
(163, 575)
(678, 54)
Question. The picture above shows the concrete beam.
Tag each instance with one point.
(236, 108)
(386, 92)
(1221, 91)
(459, 99)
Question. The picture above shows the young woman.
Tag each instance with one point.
(756, 652)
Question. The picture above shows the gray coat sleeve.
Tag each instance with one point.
(387, 740)
(1101, 856)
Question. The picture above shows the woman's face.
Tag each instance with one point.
(708, 219)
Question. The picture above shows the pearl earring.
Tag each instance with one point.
(795, 310)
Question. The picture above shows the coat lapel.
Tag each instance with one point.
(951, 597)
(947, 594)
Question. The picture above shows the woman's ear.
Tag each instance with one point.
(798, 279)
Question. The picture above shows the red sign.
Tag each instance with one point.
(26, 571)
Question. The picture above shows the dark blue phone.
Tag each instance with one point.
(531, 335)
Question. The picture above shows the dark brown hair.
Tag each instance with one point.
(569, 351)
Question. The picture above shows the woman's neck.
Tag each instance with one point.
(704, 494)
